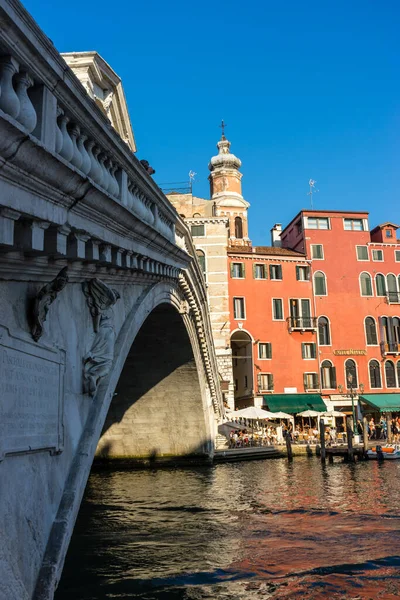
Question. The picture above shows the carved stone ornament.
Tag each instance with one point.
(45, 297)
(98, 361)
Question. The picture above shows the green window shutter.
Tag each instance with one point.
(244, 269)
(279, 271)
(303, 353)
(308, 273)
(254, 271)
(231, 266)
(297, 273)
(270, 271)
(316, 381)
(313, 351)
(333, 378)
(271, 382)
(269, 350)
(305, 381)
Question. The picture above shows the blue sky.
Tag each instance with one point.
(307, 89)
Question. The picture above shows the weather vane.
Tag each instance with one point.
(223, 129)
(312, 191)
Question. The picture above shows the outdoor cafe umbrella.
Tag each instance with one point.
(332, 413)
(282, 415)
(252, 412)
(309, 414)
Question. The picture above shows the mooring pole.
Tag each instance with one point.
(322, 439)
(365, 434)
(350, 434)
(289, 446)
(389, 427)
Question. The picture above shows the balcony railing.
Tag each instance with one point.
(302, 323)
(393, 297)
(390, 348)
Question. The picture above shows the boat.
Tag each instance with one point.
(388, 451)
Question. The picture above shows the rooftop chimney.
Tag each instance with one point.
(276, 235)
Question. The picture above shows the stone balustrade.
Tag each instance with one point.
(43, 98)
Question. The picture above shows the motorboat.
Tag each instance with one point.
(388, 451)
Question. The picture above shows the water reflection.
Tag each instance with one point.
(265, 529)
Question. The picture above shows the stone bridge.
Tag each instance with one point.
(105, 336)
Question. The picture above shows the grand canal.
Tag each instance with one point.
(255, 530)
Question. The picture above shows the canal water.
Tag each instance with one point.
(253, 530)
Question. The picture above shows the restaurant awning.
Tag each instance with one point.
(294, 403)
(383, 402)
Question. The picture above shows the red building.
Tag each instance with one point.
(318, 311)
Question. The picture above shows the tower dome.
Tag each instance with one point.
(224, 158)
(225, 177)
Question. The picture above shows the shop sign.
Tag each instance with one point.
(350, 352)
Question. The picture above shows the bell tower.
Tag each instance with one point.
(226, 191)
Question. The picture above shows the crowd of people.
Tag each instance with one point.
(266, 436)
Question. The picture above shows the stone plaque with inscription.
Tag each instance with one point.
(31, 396)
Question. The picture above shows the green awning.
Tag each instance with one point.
(383, 402)
(294, 403)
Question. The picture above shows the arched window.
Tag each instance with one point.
(328, 375)
(324, 334)
(390, 374)
(351, 374)
(201, 257)
(375, 374)
(391, 281)
(319, 284)
(385, 329)
(238, 228)
(366, 284)
(380, 283)
(370, 332)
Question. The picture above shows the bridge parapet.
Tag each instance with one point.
(55, 138)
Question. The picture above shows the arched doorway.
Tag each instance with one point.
(157, 411)
(242, 365)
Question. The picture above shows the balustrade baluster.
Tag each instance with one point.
(115, 186)
(27, 114)
(86, 162)
(105, 180)
(96, 172)
(77, 157)
(9, 101)
(59, 135)
(67, 150)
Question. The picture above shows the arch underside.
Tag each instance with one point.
(158, 409)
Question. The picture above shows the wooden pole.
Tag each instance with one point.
(350, 434)
(389, 427)
(288, 446)
(365, 434)
(322, 439)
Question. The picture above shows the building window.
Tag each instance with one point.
(308, 350)
(380, 283)
(396, 329)
(311, 381)
(197, 230)
(320, 284)
(398, 370)
(375, 374)
(246, 381)
(277, 309)
(239, 308)
(366, 284)
(238, 228)
(391, 282)
(390, 374)
(300, 313)
(265, 382)
(370, 332)
(317, 251)
(237, 270)
(275, 272)
(388, 233)
(353, 224)
(351, 374)
(397, 255)
(317, 223)
(324, 334)
(377, 255)
(328, 375)
(302, 273)
(362, 252)
(264, 350)
(236, 385)
(201, 257)
(260, 271)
